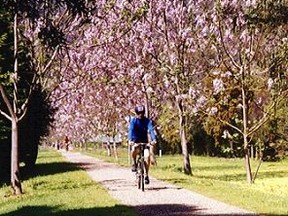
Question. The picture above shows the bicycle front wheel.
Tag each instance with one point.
(138, 174)
(142, 174)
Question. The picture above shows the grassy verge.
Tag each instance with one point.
(59, 188)
(223, 179)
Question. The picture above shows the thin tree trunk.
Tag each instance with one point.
(245, 140)
(115, 150)
(108, 146)
(252, 151)
(15, 173)
(247, 161)
(15, 170)
(186, 160)
(232, 148)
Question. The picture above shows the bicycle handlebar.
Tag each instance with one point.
(145, 144)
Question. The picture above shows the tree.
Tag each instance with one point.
(178, 47)
(246, 35)
(51, 38)
(97, 83)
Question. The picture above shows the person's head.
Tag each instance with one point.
(140, 111)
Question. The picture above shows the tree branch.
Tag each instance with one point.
(8, 104)
(225, 49)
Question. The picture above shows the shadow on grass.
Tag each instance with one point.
(46, 211)
(242, 176)
(224, 177)
(208, 179)
(119, 210)
(271, 174)
(46, 169)
(218, 167)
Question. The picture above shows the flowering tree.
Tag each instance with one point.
(104, 72)
(176, 42)
(246, 36)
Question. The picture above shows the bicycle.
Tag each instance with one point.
(140, 165)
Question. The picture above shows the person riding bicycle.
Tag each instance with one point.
(139, 128)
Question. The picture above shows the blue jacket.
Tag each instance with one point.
(139, 129)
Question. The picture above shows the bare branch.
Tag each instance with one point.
(5, 115)
(51, 59)
(8, 104)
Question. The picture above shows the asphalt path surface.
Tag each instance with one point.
(159, 198)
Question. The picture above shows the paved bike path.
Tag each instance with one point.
(159, 199)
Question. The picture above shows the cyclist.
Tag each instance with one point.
(139, 128)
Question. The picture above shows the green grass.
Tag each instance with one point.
(59, 188)
(223, 179)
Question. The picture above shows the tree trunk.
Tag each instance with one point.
(252, 151)
(108, 149)
(245, 140)
(232, 148)
(247, 161)
(186, 160)
(115, 150)
(15, 173)
(15, 168)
